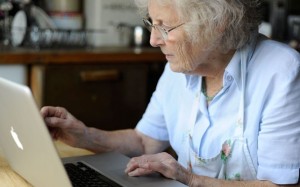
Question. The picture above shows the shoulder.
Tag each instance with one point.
(275, 58)
(268, 49)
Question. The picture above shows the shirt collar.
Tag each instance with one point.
(234, 69)
(234, 66)
(192, 81)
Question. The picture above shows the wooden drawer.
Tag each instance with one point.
(107, 96)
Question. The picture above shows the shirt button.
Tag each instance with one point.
(229, 78)
(240, 122)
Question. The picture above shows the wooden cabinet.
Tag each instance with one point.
(107, 89)
(108, 96)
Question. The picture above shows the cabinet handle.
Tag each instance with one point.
(100, 75)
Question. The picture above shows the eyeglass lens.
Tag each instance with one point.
(149, 26)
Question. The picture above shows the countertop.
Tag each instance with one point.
(78, 56)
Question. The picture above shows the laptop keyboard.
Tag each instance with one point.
(82, 175)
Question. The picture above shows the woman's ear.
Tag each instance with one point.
(221, 27)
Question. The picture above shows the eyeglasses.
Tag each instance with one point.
(164, 32)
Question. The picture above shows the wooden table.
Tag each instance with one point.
(9, 178)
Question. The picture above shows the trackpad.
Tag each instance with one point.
(150, 180)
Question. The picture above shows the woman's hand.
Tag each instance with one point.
(162, 163)
(63, 126)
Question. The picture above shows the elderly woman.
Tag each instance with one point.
(227, 102)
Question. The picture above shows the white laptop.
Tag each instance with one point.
(30, 151)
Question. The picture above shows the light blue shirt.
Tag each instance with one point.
(272, 111)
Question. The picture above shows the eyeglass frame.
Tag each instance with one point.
(164, 32)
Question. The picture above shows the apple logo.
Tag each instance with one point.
(16, 138)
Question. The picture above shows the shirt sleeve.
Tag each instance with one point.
(153, 122)
(279, 136)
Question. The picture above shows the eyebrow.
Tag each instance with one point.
(160, 21)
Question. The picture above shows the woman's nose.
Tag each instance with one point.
(156, 39)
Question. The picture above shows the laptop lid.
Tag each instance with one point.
(26, 143)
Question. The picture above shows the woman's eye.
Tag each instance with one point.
(165, 27)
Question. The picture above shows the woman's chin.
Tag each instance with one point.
(175, 67)
(179, 69)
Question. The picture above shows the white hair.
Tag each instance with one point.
(233, 22)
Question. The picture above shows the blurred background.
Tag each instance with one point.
(90, 56)
(282, 21)
(70, 23)
(94, 23)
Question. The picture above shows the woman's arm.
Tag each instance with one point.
(129, 142)
(65, 127)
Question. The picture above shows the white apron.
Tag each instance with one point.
(234, 161)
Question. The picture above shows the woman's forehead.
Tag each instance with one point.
(162, 11)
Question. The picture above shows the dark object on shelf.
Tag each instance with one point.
(279, 12)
